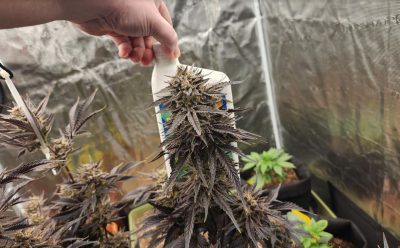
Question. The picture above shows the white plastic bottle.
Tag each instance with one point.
(164, 68)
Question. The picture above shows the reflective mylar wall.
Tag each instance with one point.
(58, 58)
(336, 69)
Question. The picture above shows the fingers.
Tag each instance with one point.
(124, 45)
(166, 35)
(166, 15)
(165, 12)
(148, 55)
(138, 49)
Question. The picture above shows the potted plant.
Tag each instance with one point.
(273, 167)
(326, 233)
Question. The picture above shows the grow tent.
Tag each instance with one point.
(320, 75)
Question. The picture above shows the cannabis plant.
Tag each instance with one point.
(82, 212)
(202, 203)
(268, 165)
(314, 235)
(200, 135)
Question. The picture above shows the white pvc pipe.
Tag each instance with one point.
(266, 67)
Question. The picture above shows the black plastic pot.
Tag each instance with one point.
(345, 208)
(347, 230)
(298, 192)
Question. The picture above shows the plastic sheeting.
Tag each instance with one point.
(335, 66)
(58, 58)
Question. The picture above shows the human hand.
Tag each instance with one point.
(133, 25)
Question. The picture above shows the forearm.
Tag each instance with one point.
(19, 13)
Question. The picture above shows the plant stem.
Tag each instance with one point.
(69, 174)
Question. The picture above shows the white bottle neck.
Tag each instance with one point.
(161, 59)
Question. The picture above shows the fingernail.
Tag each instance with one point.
(135, 59)
(124, 54)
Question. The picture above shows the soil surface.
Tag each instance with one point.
(291, 177)
(340, 243)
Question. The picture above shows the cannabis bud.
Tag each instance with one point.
(263, 222)
(60, 148)
(85, 204)
(35, 211)
(15, 130)
(200, 131)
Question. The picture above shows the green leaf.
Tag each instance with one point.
(278, 171)
(267, 154)
(284, 157)
(306, 242)
(260, 181)
(308, 228)
(271, 165)
(248, 166)
(288, 165)
(272, 154)
(255, 156)
(313, 225)
(264, 168)
(325, 236)
(321, 225)
(247, 159)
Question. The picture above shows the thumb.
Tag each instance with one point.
(163, 32)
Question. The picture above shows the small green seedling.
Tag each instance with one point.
(314, 231)
(268, 165)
